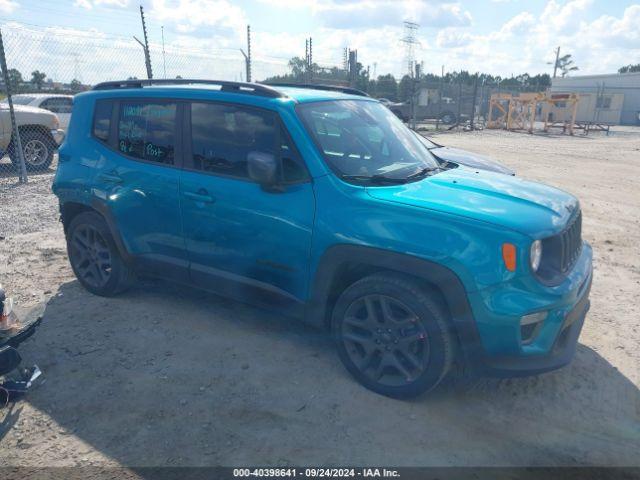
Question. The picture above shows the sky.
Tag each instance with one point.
(93, 38)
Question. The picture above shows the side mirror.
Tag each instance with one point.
(263, 169)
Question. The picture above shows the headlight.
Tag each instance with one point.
(535, 255)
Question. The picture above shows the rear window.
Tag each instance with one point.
(22, 99)
(147, 130)
(102, 120)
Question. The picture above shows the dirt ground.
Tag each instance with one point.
(164, 375)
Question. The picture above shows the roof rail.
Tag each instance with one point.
(226, 86)
(313, 86)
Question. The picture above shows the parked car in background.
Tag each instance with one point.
(61, 105)
(323, 205)
(443, 112)
(40, 135)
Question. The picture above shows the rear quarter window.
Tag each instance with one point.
(102, 120)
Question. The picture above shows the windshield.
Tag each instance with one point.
(364, 139)
(22, 99)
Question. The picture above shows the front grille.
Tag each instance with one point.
(560, 252)
(571, 241)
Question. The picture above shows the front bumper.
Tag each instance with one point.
(561, 352)
(491, 339)
(58, 136)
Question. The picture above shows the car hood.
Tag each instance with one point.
(24, 108)
(530, 208)
(473, 160)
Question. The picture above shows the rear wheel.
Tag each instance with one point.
(37, 149)
(392, 336)
(448, 118)
(94, 256)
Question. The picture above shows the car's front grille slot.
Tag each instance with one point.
(561, 251)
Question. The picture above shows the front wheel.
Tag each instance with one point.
(392, 335)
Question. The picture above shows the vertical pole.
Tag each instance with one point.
(147, 57)
(352, 68)
(459, 99)
(164, 58)
(248, 57)
(306, 60)
(310, 60)
(473, 103)
(414, 95)
(440, 88)
(17, 146)
(555, 65)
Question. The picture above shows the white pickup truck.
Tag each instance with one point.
(40, 135)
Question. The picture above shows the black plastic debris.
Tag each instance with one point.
(13, 331)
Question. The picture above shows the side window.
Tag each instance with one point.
(223, 136)
(57, 105)
(147, 130)
(50, 104)
(102, 120)
(293, 169)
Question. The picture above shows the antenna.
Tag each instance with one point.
(410, 40)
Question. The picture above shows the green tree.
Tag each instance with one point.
(405, 88)
(298, 67)
(629, 68)
(387, 87)
(37, 79)
(566, 65)
(75, 85)
(15, 79)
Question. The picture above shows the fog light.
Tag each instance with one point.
(530, 325)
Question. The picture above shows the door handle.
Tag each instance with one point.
(109, 177)
(201, 196)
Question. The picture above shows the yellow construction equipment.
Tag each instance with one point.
(518, 111)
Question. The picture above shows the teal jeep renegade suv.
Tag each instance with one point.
(321, 203)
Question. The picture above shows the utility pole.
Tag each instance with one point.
(473, 103)
(164, 58)
(415, 92)
(145, 45)
(440, 98)
(22, 177)
(310, 60)
(353, 67)
(555, 64)
(247, 56)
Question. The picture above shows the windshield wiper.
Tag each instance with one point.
(376, 179)
(423, 172)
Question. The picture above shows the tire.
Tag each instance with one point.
(405, 348)
(448, 118)
(94, 257)
(37, 148)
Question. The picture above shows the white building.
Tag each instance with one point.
(612, 98)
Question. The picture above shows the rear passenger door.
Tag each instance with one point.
(242, 239)
(138, 180)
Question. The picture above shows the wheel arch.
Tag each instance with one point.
(342, 265)
(42, 129)
(69, 210)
